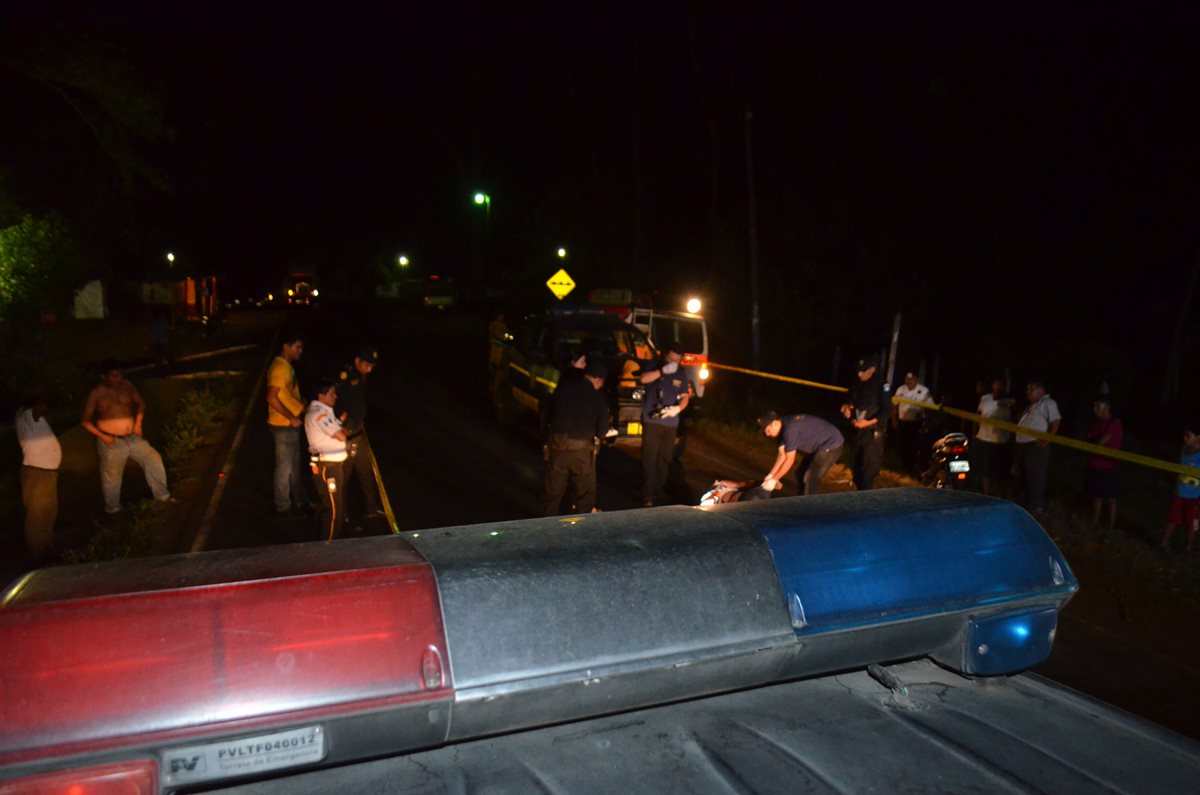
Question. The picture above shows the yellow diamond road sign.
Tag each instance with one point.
(560, 284)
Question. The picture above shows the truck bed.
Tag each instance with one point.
(843, 733)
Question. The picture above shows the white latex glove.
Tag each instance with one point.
(770, 484)
(671, 411)
(610, 433)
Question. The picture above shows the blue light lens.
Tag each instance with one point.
(1008, 643)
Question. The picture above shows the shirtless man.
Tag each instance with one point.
(113, 414)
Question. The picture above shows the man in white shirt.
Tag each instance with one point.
(992, 453)
(328, 449)
(1033, 455)
(906, 420)
(41, 456)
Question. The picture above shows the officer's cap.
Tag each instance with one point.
(766, 418)
(596, 369)
(368, 354)
(864, 363)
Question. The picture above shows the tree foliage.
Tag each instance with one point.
(40, 268)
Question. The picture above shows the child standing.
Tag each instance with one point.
(1186, 504)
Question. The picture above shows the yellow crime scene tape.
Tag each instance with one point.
(774, 377)
(1065, 441)
(383, 497)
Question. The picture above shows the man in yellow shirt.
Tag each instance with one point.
(285, 416)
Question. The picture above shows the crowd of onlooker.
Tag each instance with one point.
(1016, 465)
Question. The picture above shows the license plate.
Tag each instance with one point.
(634, 429)
(244, 756)
(959, 466)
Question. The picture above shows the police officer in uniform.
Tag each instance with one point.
(868, 411)
(578, 418)
(352, 405)
(666, 397)
(817, 440)
(327, 447)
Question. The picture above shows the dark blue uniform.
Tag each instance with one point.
(658, 434)
(578, 416)
(870, 403)
(352, 399)
(821, 443)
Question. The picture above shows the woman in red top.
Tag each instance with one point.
(1100, 481)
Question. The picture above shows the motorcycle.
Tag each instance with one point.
(950, 464)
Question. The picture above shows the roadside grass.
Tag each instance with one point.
(131, 538)
(198, 411)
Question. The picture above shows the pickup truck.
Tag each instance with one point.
(834, 643)
(527, 367)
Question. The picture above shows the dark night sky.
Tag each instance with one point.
(1030, 173)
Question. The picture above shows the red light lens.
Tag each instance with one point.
(962, 475)
(91, 669)
(123, 778)
(692, 359)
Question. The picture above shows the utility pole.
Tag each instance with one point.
(891, 363)
(754, 330)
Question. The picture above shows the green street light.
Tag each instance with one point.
(402, 260)
(562, 253)
(483, 199)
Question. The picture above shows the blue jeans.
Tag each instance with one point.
(112, 468)
(288, 490)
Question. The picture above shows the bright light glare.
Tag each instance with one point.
(403, 260)
(170, 257)
(703, 373)
(316, 292)
(290, 293)
(270, 296)
(562, 253)
(481, 198)
(693, 305)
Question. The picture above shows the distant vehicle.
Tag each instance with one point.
(432, 292)
(685, 332)
(300, 289)
(527, 367)
(438, 295)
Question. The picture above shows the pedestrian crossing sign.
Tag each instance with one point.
(560, 284)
